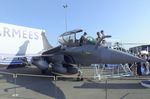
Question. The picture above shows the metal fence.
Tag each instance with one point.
(27, 86)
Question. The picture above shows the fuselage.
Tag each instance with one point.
(88, 54)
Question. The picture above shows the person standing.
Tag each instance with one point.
(138, 64)
(145, 65)
(99, 35)
(83, 39)
(102, 33)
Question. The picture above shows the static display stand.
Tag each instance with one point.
(101, 69)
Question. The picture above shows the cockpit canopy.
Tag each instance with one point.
(69, 37)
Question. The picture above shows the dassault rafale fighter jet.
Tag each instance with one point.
(23, 42)
(64, 57)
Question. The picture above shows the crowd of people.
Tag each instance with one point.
(142, 68)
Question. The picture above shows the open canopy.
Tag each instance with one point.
(69, 37)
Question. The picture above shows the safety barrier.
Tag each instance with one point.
(30, 86)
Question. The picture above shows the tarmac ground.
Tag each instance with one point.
(28, 83)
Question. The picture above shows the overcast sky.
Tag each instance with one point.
(126, 20)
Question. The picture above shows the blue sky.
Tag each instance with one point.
(126, 20)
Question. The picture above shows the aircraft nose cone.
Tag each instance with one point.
(111, 56)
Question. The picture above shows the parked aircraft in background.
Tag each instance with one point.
(19, 41)
(63, 59)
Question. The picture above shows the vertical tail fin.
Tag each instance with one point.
(46, 44)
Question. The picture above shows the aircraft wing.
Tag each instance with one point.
(52, 51)
(49, 52)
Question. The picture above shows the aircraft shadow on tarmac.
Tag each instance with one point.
(100, 85)
(44, 86)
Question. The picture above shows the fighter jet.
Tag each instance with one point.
(64, 58)
(19, 46)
